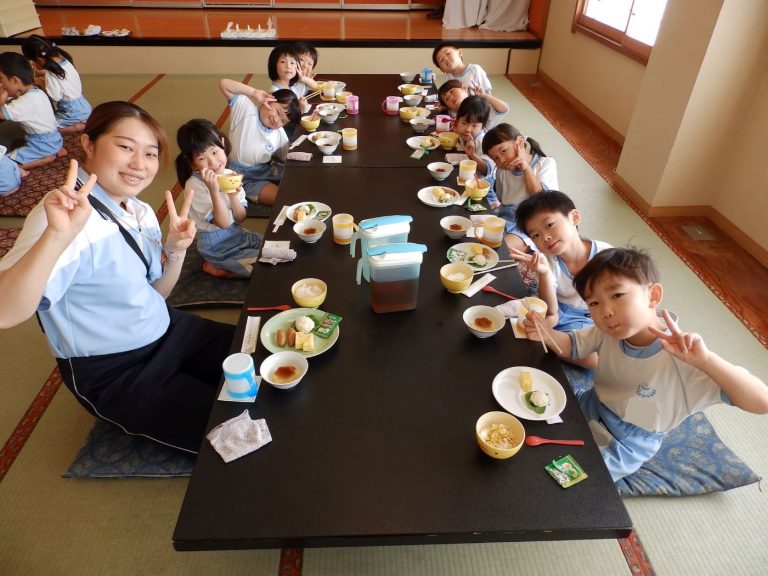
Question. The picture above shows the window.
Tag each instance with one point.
(629, 26)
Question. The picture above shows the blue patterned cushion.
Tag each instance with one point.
(110, 453)
(692, 458)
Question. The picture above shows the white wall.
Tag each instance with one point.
(603, 80)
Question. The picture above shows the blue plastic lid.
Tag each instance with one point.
(401, 248)
(383, 220)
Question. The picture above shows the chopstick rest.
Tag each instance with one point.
(239, 436)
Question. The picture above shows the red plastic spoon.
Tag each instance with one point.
(536, 440)
(494, 291)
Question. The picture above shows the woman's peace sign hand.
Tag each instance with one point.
(68, 209)
(181, 230)
(686, 346)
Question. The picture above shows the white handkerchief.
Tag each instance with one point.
(509, 309)
(300, 156)
(554, 420)
(284, 254)
(239, 436)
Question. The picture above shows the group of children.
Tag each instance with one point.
(602, 301)
(41, 91)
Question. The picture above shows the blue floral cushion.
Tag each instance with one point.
(692, 458)
(111, 453)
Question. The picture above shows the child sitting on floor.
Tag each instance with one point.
(452, 93)
(62, 82)
(651, 375)
(259, 143)
(551, 221)
(308, 57)
(521, 170)
(449, 58)
(470, 122)
(286, 73)
(229, 251)
(10, 174)
(23, 102)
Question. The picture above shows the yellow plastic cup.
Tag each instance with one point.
(349, 138)
(342, 228)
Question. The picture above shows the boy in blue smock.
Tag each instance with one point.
(651, 375)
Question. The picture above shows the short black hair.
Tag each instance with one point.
(440, 47)
(474, 109)
(193, 138)
(633, 264)
(290, 102)
(446, 87)
(307, 48)
(13, 64)
(547, 201)
(277, 52)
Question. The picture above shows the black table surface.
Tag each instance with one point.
(376, 444)
(381, 138)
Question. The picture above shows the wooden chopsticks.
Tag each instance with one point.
(536, 322)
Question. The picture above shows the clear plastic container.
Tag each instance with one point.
(394, 272)
(375, 232)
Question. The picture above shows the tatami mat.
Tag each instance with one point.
(125, 527)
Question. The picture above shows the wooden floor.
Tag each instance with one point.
(317, 25)
(736, 277)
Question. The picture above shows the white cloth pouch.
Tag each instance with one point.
(239, 436)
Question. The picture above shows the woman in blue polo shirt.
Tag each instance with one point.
(127, 357)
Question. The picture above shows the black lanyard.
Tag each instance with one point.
(107, 215)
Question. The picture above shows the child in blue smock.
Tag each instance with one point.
(551, 221)
(229, 250)
(651, 375)
(62, 82)
(10, 173)
(259, 143)
(22, 102)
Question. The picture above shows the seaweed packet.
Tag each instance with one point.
(327, 325)
(566, 471)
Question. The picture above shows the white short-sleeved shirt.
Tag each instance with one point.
(473, 75)
(647, 387)
(510, 184)
(252, 142)
(563, 279)
(201, 210)
(98, 298)
(33, 111)
(68, 88)
(299, 88)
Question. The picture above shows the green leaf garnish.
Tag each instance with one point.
(533, 407)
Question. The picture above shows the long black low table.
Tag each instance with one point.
(376, 445)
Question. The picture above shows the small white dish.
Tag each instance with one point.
(289, 362)
(440, 170)
(427, 195)
(483, 321)
(309, 230)
(327, 146)
(455, 226)
(506, 389)
(316, 210)
(423, 142)
(469, 251)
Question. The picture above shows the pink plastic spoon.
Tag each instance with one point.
(536, 440)
(494, 291)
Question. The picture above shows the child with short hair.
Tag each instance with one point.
(228, 250)
(449, 58)
(308, 57)
(452, 93)
(551, 221)
(259, 143)
(651, 375)
(285, 71)
(62, 82)
(471, 118)
(25, 103)
(521, 170)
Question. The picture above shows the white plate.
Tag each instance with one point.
(463, 253)
(315, 136)
(426, 196)
(318, 211)
(285, 320)
(506, 389)
(417, 142)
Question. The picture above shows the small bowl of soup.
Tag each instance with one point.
(284, 370)
(309, 231)
(440, 170)
(483, 321)
(455, 226)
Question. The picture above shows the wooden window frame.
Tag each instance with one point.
(611, 37)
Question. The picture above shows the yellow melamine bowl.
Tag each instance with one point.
(484, 426)
(230, 183)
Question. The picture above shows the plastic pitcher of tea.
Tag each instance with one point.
(377, 231)
(395, 276)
